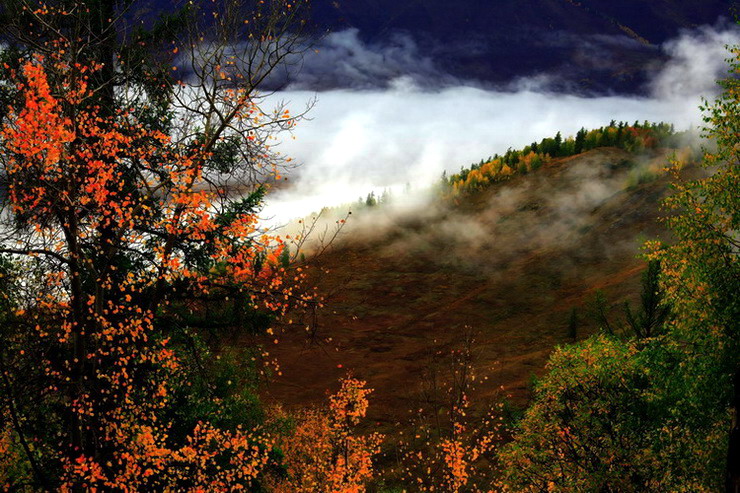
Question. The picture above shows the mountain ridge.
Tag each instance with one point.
(499, 43)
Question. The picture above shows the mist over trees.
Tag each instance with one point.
(137, 288)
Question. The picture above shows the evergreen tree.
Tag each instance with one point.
(370, 200)
(556, 150)
(573, 325)
(580, 140)
(653, 313)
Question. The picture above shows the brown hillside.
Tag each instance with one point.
(509, 262)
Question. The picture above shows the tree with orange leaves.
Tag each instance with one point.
(120, 228)
(325, 452)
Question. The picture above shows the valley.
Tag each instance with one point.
(506, 265)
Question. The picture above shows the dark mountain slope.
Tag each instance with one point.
(655, 21)
(591, 46)
(510, 263)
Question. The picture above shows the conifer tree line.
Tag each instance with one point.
(635, 138)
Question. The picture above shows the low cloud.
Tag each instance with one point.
(558, 211)
(697, 60)
(342, 60)
(362, 140)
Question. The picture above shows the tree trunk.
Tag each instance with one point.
(732, 476)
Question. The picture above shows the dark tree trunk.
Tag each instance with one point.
(732, 476)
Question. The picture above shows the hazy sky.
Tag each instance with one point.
(360, 140)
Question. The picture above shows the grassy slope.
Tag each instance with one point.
(510, 262)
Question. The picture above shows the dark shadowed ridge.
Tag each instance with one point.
(588, 47)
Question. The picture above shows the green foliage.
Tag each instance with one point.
(635, 138)
(603, 419)
(220, 389)
(22, 414)
(598, 309)
(654, 312)
(511, 413)
(563, 442)
(701, 269)
(651, 413)
(284, 258)
(579, 141)
(225, 155)
(238, 208)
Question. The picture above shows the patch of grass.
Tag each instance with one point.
(639, 176)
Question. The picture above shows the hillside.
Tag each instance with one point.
(510, 262)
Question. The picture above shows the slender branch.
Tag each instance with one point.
(31, 251)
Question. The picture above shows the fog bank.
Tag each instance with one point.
(362, 140)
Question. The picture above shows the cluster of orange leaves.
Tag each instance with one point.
(325, 452)
(69, 178)
(449, 463)
(213, 460)
(496, 170)
(58, 162)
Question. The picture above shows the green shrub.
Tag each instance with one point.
(609, 416)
